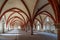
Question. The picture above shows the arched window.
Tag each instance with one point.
(38, 26)
(19, 27)
(47, 19)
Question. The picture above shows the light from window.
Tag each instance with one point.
(19, 27)
(38, 28)
(47, 19)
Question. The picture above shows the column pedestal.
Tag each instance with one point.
(58, 30)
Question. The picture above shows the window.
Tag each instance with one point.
(38, 26)
(19, 27)
(47, 19)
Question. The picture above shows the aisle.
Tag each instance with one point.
(38, 36)
(11, 35)
(17, 34)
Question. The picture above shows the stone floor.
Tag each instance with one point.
(22, 35)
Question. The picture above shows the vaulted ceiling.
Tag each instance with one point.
(25, 9)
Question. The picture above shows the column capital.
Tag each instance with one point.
(57, 25)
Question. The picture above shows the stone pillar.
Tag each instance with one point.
(8, 28)
(31, 30)
(58, 30)
(3, 27)
(26, 28)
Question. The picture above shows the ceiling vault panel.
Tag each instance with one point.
(27, 10)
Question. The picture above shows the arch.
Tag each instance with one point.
(15, 22)
(47, 24)
(47, 13)
(12, 18)
(11, 10)
(40, 18)
(42, 8)
(22, 24)
(45, 18)
(14, 13)
(39, 22)
(17, 19)
(35, 6)
(54, 4)
(55, 7)
(49, 17)
(3, 5)
(26, 7)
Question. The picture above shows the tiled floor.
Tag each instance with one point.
(21, 35)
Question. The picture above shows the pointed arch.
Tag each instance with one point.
(42, 8)
(48, 15)
(39, 22)
(15, 22)
(13, 18)
(3, 5)
(35, 6)
(14, 13)
(26, 8)
(11, 10)
(54, 4)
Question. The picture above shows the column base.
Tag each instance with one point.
(58, 34)
(58, 30)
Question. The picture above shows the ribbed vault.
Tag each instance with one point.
(28, 11)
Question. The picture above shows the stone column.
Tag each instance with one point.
(58, 30)
(26, 28)
(31, 29)
(3, 27)
(8, 28)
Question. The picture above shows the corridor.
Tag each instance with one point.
(29, 19)
(17, 34)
